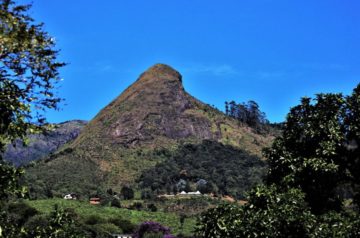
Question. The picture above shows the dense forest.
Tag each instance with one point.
(209, 167)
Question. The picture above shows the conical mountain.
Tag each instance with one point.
(153, 110)
(128, 136)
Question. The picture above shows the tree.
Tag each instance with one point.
(115, 202)
(29, 72)
(181, 185)
(152, 207)
(232, 109)
(318, 149)
(127, 193)
(269, 214)
(187, 187)
(248, 113)
(28, 76)
(60, 225)
(313, 167)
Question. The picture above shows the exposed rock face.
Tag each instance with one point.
(42, 145)
(158, 101)
(156, 106)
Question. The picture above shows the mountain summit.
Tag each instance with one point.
(143, 126)
(156, 110)
(158, 71)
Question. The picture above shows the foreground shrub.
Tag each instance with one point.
(152, 229)
(125, 225)
(313, 170)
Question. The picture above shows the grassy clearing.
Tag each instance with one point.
(85, 210)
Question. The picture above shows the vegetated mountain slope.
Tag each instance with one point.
(155, 113)
(41, 145)
(209, 167)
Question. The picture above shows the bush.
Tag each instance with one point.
(20, 212)
(136, 206)
(313, 167)
(152, 207)
(125, 225)
(147, 194)
(94, 219)
(103, 230)
(127, 193)
(37, 221)
(115, 203)
(151, 229)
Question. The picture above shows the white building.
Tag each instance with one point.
(70, 196)
(121, 236)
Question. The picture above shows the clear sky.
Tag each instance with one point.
(270, 51)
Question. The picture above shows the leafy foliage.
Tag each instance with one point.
(319, 149)
(313, 168)
(28, 75)
(59, 224)
(127, 192)
(28, 72)
(115, 203)
(9, 183)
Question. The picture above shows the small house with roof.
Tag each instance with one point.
(95, 201)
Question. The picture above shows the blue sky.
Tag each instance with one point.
(270, 51)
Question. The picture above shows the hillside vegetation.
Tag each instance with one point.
(209, 167)
(100, 216)
(126, 138)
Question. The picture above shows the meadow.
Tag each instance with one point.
(85, 211)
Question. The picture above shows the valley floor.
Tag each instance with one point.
(105, 213)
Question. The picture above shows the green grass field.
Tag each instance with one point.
(85, 210)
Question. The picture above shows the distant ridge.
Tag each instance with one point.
(41, 145)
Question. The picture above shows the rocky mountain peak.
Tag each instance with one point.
(162, 71)
(159, 75)
(156, 111)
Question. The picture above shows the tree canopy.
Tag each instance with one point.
(29, 72)
(319, 150)
(312, 186)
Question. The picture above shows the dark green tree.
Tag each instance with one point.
(313, 168)
(28, 77)
(127, 193)
(248, 113)
(60, 225)
(115, 203)
(28, 72)
(226, 108)
(317, 150)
